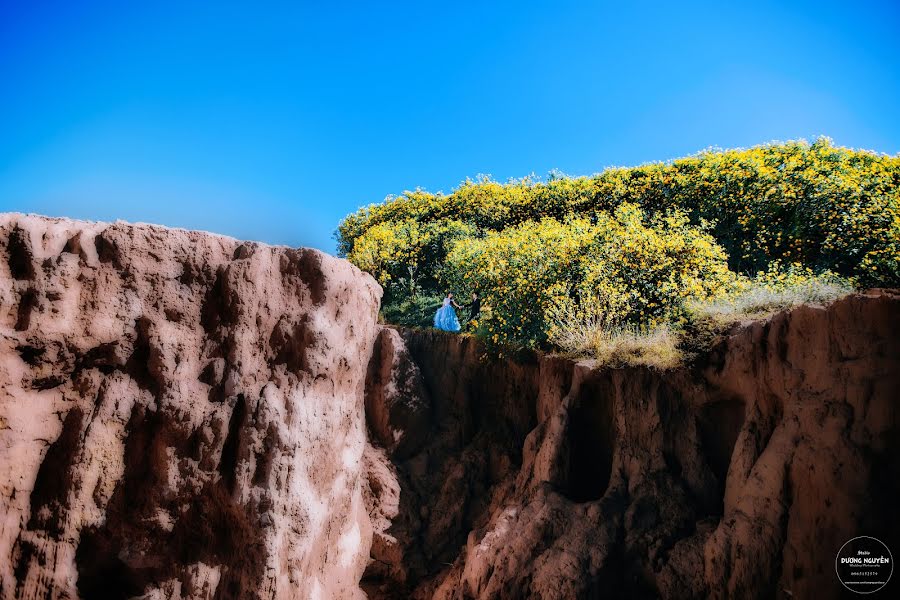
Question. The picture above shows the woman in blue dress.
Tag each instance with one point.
(445, 317)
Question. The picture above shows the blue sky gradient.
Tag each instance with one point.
(273, 123)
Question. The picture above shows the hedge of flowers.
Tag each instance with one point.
(643, 240)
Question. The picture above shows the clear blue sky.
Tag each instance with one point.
(273, 123)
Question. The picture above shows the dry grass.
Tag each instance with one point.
(593, 336)
(585, 331)
(759, 301)
(657, 349)
(578, 333)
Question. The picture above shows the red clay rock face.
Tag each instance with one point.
(397, 404)
(480, 412)
(181, 415)
(741, 476)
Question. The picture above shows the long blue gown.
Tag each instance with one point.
(445, 317)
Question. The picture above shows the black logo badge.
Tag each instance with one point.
(864, 565)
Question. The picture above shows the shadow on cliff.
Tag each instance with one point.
(739, 475)
(212, 528)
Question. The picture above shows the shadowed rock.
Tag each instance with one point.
(741, 476)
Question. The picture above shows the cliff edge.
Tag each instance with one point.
(538, 477)
(184, 415)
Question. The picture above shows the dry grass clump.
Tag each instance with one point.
(759, 300)
(593, 335)
(585, 329)
(657, 349)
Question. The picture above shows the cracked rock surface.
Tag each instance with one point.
(181, 415)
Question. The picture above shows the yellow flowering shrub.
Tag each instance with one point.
(404, 255)
(646, 269)
(626, 250)
(641, 271)
(519, 273)
(826, 207)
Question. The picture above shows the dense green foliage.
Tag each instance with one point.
(638, 270)
(639, 240)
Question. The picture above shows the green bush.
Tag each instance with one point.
(417, 311)
(640, 270)
(643, 245)
(826, 207)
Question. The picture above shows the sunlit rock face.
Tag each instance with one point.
(739, 476)
(181, 415)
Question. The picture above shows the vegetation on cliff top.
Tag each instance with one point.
(637, 249)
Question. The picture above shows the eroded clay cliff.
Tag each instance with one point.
(740, 476)
(181, 415)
